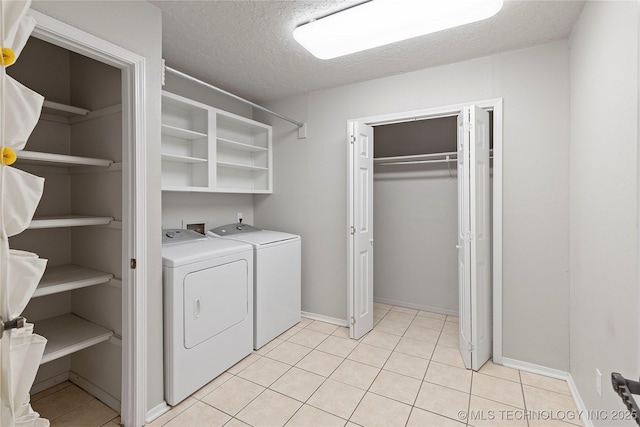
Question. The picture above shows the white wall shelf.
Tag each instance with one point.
(240, 146)
(182, 133)
(65, 278)
(51, 159)
(68, 221)
(183, 159)
(205, 149)
(68, 334)
(241, 166)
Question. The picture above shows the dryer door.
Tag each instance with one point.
(215, 299)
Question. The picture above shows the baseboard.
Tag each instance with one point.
(156, 411)
(535, 369)
(326, 319)
(553, 373)
(582, 408)
(417, 306)
(49, 382)
(96, 391)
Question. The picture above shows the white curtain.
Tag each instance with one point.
(20, 192)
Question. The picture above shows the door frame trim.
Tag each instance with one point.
(134, 234)
(495, 105)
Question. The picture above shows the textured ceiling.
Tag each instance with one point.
(246, 47)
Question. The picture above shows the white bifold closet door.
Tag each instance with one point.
(361, 238)
(474, 233)
(474, 237)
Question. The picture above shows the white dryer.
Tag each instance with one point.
(208, 309)
(277, 278)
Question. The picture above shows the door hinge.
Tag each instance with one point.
(470, 347)
(469, 236)
(353, 230)
(133, 263)
(353, 321)
(352, 139)
(468, 126)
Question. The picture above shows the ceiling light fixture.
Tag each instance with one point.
(380, 22)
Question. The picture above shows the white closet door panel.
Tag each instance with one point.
(464, 249)
(97, 194)
(362, 217)
(481, 236)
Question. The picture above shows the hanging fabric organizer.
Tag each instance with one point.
(20, 192)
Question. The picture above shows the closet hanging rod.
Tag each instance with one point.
(414, 157)
(236, 97)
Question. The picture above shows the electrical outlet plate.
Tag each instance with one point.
(598, 382)
(239, 217)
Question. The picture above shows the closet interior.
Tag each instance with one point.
(78, 226)
(415, 204)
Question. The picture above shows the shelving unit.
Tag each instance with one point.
(78, 147)
(205, 149)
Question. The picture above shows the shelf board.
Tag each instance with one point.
(186, 188)
(182, 133)
(242, 190)
(68, 221)
(241, 166)
(182, 159)
(34, 157)
(58, 109)
(67, 334)
(69, 277)
(240, 145)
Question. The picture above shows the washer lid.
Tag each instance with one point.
(178, 254)
(264, 237)
(236, 228)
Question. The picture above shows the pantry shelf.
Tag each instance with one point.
(68, 221)
(58, 109)
(68, 334)
(51, 159)
(69, 277)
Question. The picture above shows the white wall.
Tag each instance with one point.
(415, 226)
(214, 209)
(310, 178)
(604, 199)
(138, 28)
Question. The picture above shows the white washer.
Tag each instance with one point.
(208, 316)
(277, 278)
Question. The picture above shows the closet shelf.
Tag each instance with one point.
(182, 159)
(186, 188)
(182, 133)
(69, 277)
(241, 166)
(68, 221)
(34, 157)
(240, 145)
(67, 334)
(58, 109)
(242, 190)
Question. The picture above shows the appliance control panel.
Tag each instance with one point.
(177, 235)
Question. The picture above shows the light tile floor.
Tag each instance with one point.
(406, 372)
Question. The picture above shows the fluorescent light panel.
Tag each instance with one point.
(380, 22)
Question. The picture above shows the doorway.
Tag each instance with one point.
(361, 149)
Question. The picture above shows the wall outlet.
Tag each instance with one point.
(598, 382)
(239, 217)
